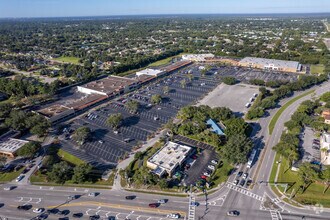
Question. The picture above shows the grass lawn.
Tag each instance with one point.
(272, 123)
(274, 169)
(316, 69)
(312, 195)
(73, 60)
(221, 174)
(7, 177)
(69, 157)
(161, 62)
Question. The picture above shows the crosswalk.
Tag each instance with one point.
(245, 192)
(192, 208)
(275, 215)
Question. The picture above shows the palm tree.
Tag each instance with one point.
(183, 83)
(166, 89)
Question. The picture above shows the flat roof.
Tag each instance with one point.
(266, 62)
(109, 84)
(170, 156)
(148, 71)
(86, 101)
(11, 145)
(53, 110)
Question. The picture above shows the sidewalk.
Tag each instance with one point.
(123, 164)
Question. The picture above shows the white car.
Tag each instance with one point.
(215, 162)
(38, 210)
(19, 178)
(206, 174)
(211, 167)
(8, 188)
(92, 194)
(245, 175)
(173, 215)
(162, 201)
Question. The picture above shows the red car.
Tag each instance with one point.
(204, 177)
(194, 157)
(153, 205)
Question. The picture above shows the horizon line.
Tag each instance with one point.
(132, 15)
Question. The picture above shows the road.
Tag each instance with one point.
(251, 203)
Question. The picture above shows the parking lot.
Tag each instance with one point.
(246, 74)
(197, 165)
(224, 95)
(310, 149)
(109, 147)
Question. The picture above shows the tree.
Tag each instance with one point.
(38, 125)
(60, 173)
(156, 99)
(50, 160)
(166, 89)
(229, 80)
(190, 76)
(81, 135)
(203, 72)
(307, 173)
(133, 106)
(115, 120)
(163, 184)
(3, 161)
(81, 173)
(235, 126)
(237, 148)
(183, 83)
(29, 149)
(5, 109)
(16, 120)
(326, 179)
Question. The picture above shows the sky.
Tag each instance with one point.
(71, 8)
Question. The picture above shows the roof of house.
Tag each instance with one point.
(215, 127)
(266, 62)
(11, 145)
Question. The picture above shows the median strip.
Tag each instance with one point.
(277, 115)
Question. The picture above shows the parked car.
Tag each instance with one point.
(233, 213)
(242, 182)
(236, 182)
(173, 215)
(239, 173)
(203, 177)
(206, 174)
(215, 162)
(211, 167)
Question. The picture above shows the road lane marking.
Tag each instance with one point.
(124, 207)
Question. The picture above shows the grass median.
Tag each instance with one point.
(273, 122)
